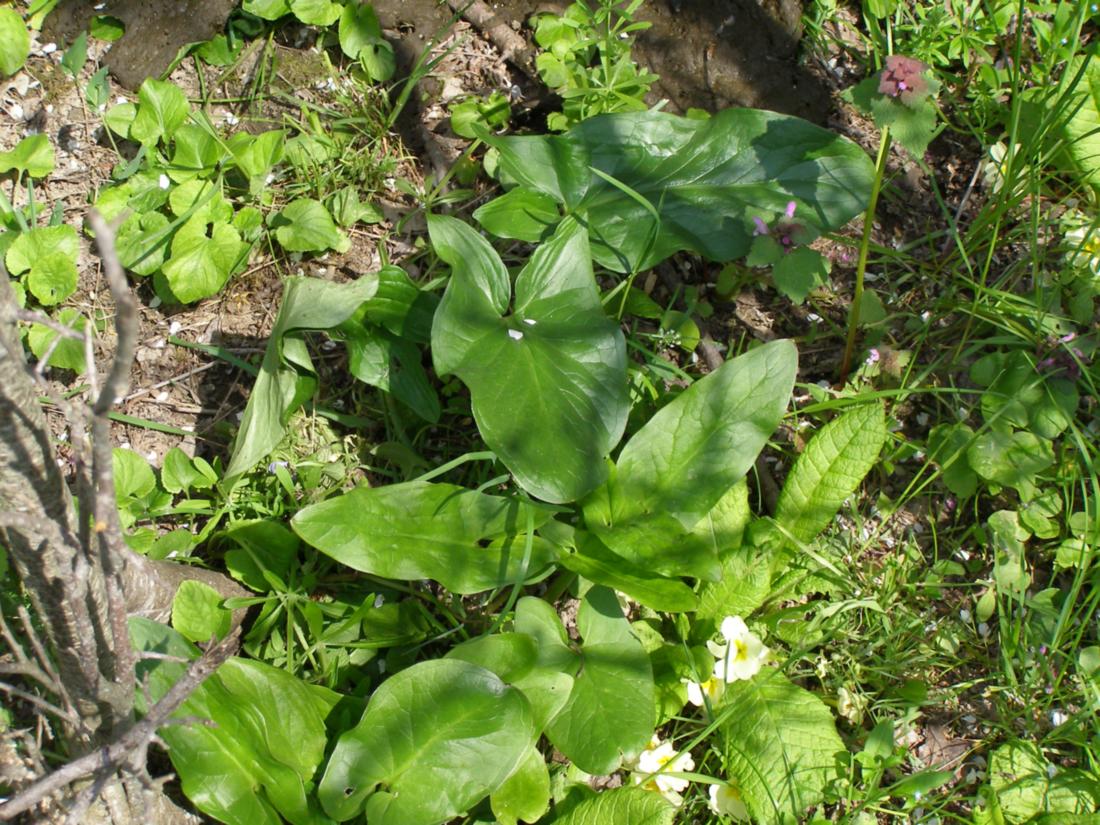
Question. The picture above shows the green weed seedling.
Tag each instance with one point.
(41, 259)
(586, 59)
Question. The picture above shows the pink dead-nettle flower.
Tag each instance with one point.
(903, 77)
(785, 229)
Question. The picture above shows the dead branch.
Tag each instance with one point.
(512, 46)
(127, 754)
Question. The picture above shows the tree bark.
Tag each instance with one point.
(80, 578)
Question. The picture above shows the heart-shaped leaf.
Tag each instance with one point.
(162, 107)
(33, 155)
(547, 377)
(611, 710)
(434, 740)
(200, 264)
(306, 226)
(648, 184)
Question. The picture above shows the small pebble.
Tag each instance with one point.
(49, 48)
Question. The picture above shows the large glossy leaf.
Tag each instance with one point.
(611, 710)
(465, 540)
(287, 377)
(547, 376)
(525, 795)
(622, 806)
(434, 740)
(829, 470)
(783, 746)
(598, 564)
(705, 179)
(674, 470)
(258, 760)
(549, 683)
(378, 357)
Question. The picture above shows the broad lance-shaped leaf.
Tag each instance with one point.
(465, 540)
(706, 179)
(548, 379)
(782, 746)
(675, 469)
(611, 710)
(287, 377)
(829, 470)
(434, 740)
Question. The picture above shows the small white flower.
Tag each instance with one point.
(743, 654)
(659, 758)
(725, 800)
(850, 705)
(983, 630)
(1082, 244)
(994, 169)
(964, 615)
(1058, 717)
(699, 693)
(163, 182)
(49, 48)
(231, 119)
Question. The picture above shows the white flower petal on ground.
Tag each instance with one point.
(725, 800)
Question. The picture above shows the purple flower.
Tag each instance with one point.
(902, 77)
(761, 227)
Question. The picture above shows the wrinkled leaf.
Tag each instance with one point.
(525, 795)
(784, 746)
(621, 806)
(830, 470)
(197, 612)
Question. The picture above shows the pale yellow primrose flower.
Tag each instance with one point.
(743, 654)
(850, 705)
(1083, 248)
(699, 693)
(994, 169)
(662, 756)
(725, 800)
